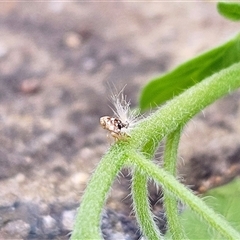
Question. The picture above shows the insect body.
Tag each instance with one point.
(114, 126)
(119, 126)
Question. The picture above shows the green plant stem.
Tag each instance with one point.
(172, 186)
(183, 107)
(170, 203)
(170, 151)
(87, 224)
(165, 120)
(141, 206)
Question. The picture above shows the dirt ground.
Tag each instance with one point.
(56, 61)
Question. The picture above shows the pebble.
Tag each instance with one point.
(80, 178)
(3, 50)
(29, 86)
(16, 229)
(68, 218)
(49, 224)
(20, 178)
(73, 40)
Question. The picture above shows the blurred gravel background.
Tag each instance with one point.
(56, 60)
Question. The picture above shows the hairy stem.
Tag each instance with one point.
(141, 207)
(146, 136)
(183, 107)
(172, 186)
(141, 204)
(87, 225)
(170, 203)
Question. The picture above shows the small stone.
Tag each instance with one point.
(17, 229)
(3, 50)
(30, 86)
(20, 178)
(72, 40)
(68, 218)
(79, 178)
(89, 64)
(49, 224)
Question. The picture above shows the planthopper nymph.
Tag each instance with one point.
(123, 120)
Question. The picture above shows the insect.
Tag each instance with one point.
(119, 125)
(114, 126)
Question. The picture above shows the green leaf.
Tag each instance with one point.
(189, 73)
(229, 10)
(225, 201)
